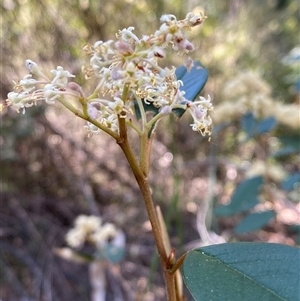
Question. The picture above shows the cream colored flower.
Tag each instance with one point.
(249, 92)
(75, 238)
(268, 170)
(87, 224)
(102, 235)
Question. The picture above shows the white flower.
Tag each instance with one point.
(194, 20)
(104, 234)
(61, 76)
(167, 18)
(75, 238)
(88, 224)
(20, 100)
(34, 69)
(51, 93)
(27, 83)
(157, 52)
(117, 106)
(92, 129)
(184, 45)
(32, 66)
(91, 229)
(199, 111)
(123, 47)
(111, 122)
(92, 111)
(127, 35)
(126, 66)
(188, 64)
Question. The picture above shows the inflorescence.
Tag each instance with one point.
(127, 71)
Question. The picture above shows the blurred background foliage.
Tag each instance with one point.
(51, 171)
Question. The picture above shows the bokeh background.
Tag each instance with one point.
(51, 171)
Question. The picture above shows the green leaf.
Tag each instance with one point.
(290, 182)
(252, 127)
(244, 197)
(254, 221)
(243, 271)
(266, 125)
(248, 123)
(193, 82)
(111, 253)
(286, 151)
(114, 254)
(291, 145)
(147, 107)
(292, 141)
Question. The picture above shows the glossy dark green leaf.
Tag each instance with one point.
(244, 197)
(248, 123)
(243, 272)
(290, 182)
(254, 221)
(266, 125)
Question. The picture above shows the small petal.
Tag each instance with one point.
(189, 64)
(92, 111)
(167, 18)
(32, 66)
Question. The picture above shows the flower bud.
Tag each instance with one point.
(159, 52)
(32, 66)
(92, 111)
(167, 18)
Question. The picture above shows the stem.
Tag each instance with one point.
(140, 172)
(154, 119)
(144, 162)
(78, 113)
(133, 126)
(149, 204)
(178, 264)
(142, 111)
(84, 106)
(145, 190)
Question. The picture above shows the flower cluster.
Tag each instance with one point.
(90, 229)
(248, 91)
(27, 91)
(269, 171)
(199, 111)
(128, 72)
